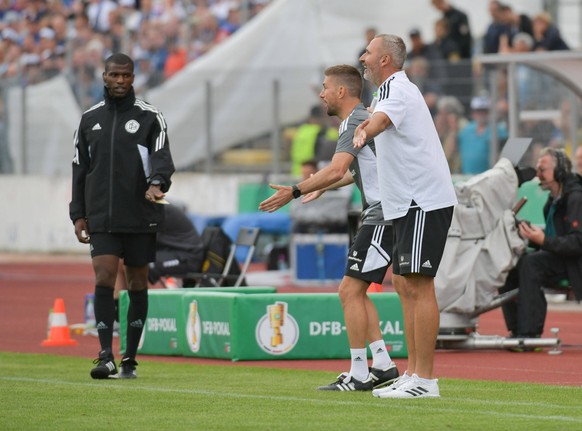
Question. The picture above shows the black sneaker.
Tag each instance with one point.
(384, 377)
(105, 368)
(345, 382)
(127, 368)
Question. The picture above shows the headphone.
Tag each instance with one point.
(561, 170)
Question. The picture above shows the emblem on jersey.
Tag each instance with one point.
(132, 126)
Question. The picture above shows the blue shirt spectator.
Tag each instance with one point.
(475, 138)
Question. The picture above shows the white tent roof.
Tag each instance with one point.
(291, 42)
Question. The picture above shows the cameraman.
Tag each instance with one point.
(558, 253)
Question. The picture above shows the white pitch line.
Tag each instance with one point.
(373, 402)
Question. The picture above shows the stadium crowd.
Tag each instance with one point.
(455, 86)
(40, 39)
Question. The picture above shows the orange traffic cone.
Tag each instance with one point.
(59, 333)
(375, 288)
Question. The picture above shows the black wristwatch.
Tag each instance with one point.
(155, 183)
(296, 192)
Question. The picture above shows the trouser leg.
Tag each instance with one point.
(536, 270)
(510, 307)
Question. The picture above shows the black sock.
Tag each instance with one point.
(136, 318)
(104, 315)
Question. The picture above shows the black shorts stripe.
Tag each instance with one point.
(419, 221)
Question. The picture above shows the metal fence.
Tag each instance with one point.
(530, 99)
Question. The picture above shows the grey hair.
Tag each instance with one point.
(395, 46)
(556, 154)
(451, 104)
(525, 38)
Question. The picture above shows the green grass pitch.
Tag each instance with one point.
(48, 392)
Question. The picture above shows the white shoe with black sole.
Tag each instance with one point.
(395, 384)
(414, 387)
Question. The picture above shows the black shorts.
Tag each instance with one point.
(419, 240)
(136, 249)
(369, 255)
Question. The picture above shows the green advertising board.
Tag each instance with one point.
(258, 326)
(160, 336)
(278, 326)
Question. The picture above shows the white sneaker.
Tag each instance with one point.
(395, 385)
(414, 387)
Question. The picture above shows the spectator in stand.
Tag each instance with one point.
(145, 77)
(444, 43)
(173, 12)
(231, 24)
(475, 138)
(547, 35)
(86, 88)
(82, 32)
(494, 30)
(449, 121)
(437, 66)
(177, 58)
(12, 51)
(515, 23)
(58, 23)
(31, 68)
(47, 45)
(459, 70)
(418, 70)
(117, 32)
(220, 8)
(158, 50)
(12, 19)
(34, 11)
(206, 33)
(305, 139)
(92, 29)
(98, 13)
(459, 28)
(528, 81)
(522, 42)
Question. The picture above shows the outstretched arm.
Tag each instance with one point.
(323, 178)
(371, 128)
(346, 180)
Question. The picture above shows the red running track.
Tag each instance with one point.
(29, 286)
